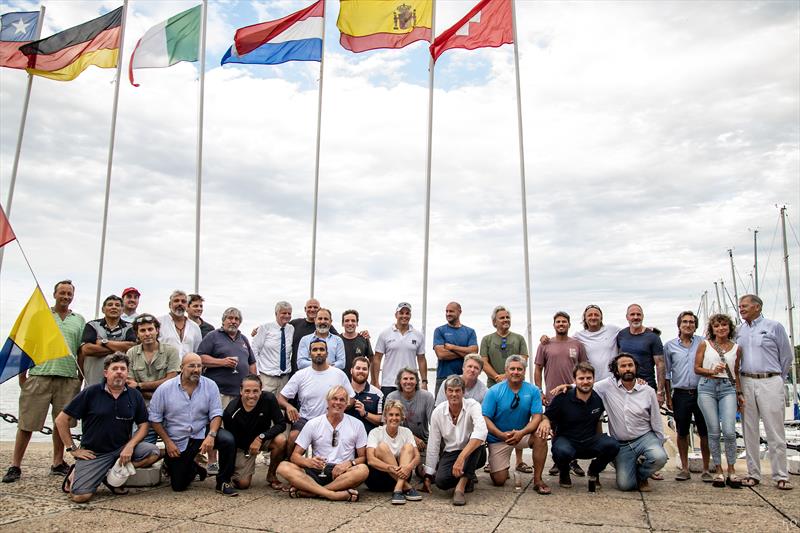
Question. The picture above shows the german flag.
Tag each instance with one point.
(64, 55)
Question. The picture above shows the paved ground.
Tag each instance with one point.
(36, 503)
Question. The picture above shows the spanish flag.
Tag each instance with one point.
(370, 24)
(64, 55)
(34, 339)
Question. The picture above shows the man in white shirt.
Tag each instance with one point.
(310, 386)
(272, 347)
(338, 464)
(459, 424)
(600, 340)
(336, 355)
(176, 329)
(404, 347)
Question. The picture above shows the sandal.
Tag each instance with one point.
(657, 476)
(277, 485)
(524, 468)
(66, 485)
(542, 489)
(116, 491)
(733, 482)
(352, 495)
(784, 484)
(749, 481)
(719, 481)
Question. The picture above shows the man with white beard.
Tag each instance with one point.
(176, 329)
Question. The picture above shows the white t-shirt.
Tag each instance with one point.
(601, 348)
(399, 351)
(318, 433)
(169, 335)
(311, 386)
(378, 435)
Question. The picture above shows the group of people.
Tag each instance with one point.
(331, 414)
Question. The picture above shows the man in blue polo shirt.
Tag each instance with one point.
(645, 346)
(107, 412)
(513, 410)
(574, 418)
(452, 342)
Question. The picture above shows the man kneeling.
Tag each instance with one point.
(576, 421)
(257, 424)
(107, 412)
(338, 466)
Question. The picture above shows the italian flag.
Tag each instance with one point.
(172, 41)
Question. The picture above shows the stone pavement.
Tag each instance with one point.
(35, 503)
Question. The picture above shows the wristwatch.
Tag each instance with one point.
(71, 449)
(353, 462)
(262, 436)
(212, 434)
(103, 341)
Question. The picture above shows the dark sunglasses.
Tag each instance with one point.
(335, 439)
(504, 343)
(515, 401)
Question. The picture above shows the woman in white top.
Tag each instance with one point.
(392, 455)
(717, 362)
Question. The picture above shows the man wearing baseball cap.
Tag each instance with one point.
(130, 301)
(404, 347)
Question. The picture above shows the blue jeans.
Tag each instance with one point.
(717, 400)
(637, 459)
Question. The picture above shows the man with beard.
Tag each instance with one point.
(107, 412)
(336, 356)
(195, 313)
(355, 344)
(52, 383)
(404, 347)
(338, 442)
(256, 422)
(645, 346)
(368, 405)
(180, 411)
(272, 347)
(130, 302)
(557, 359)
(417, 403)
(310, 386)
(458, 430)
(305, 326)
(512, 411)
(599, 340)
(574, 420)
(102, 337)
(634, 419)
(176, 329)
(452, 342)
(473, 387)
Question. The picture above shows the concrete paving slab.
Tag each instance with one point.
(700, 492)
(786, 501)
(715, 517)
(596, 509)
(195, 526)
(83, 518)
(15, 507)
(411, 519)
(515, 525)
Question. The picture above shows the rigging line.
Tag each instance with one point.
(769, 254)
(789, 220)
(740, 277)
(775, 299)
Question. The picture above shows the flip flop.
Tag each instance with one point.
(66, 485)
(542, 489)
(524, 468)
(277, 485)
(353, 496)
(784, 484)
(749, 481)
(116, 491)
(658, 476)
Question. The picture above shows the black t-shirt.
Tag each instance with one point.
(302, 327)
(106, 422)
(358, 347)
(266, 417)
(573, 418)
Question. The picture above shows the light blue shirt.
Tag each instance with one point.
(765, 347)
(679, 361)
(335, 345)
(185, 417)
(497, 407)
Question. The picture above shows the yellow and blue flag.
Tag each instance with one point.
(34, 339)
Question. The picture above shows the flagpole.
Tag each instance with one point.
(21, 133)
(522, 186)
(110, 158)
(316, 162)
(428, 179)
(198, 196)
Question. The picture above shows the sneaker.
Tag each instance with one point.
(12, 474)
(706, 477)
(564, 480)
(553, 470)
(683, 475)
(576, 469)
(226, 489)
(398, 498)
(59, 470)
(412, 495)
(213, 469)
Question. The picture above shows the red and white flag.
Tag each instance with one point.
(6, 233)
(488, 24)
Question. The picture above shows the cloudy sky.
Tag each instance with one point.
(657, 134)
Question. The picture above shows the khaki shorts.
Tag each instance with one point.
(500, 454)
(226, 399)
(245, 467)
(273, 384)
(38, 393)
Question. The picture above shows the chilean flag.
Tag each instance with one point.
(295, 37)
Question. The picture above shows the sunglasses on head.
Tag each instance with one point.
(144, 319)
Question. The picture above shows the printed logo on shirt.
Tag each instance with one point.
(414, 341)
(596, 410)
(573, 353)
